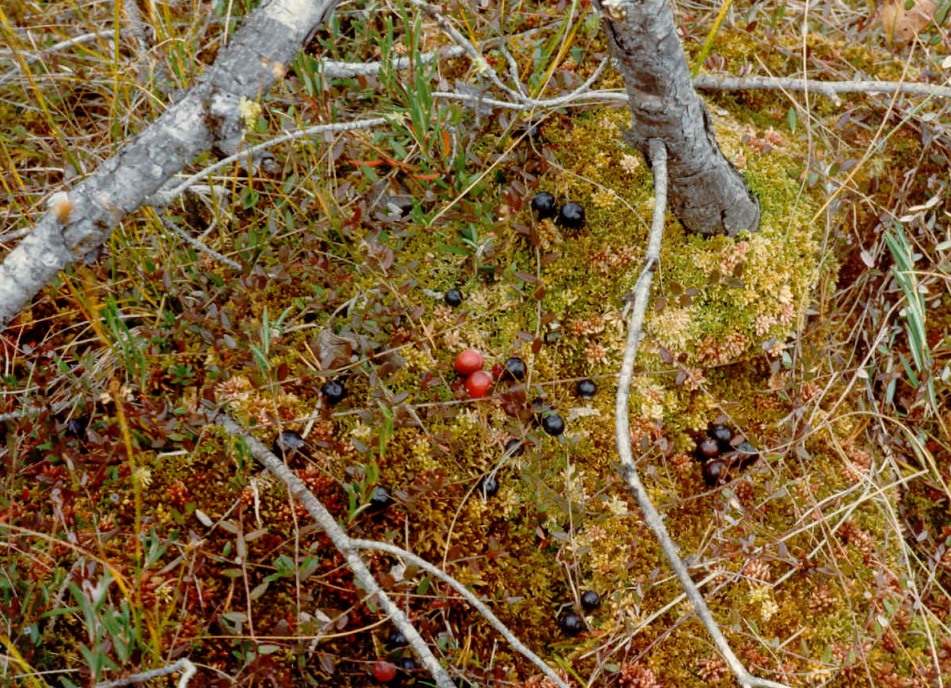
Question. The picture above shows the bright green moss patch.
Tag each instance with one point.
(717, 299)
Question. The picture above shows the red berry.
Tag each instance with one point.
(469, 361)
(384, 672)
(478, 384)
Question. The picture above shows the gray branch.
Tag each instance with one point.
(83, 218)
(184, 665)
(830, 89)
(641, 294)
(480, 606)
(341, 541)
(707, 193)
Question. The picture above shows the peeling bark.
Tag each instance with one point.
(707, 193)
(82, 219)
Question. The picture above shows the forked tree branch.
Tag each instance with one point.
(480, 606)
(340, 540)
(641, 294)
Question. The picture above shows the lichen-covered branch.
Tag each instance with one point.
(707, 193)
(82, 218)
(658, 158)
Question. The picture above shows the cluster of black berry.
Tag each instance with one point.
(722, 453)
(570, 215)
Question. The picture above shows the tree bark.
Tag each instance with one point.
(81, 219)
(707, 193)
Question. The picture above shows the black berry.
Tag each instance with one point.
(714, 471)
(571, 216)
(333, 391)
(515, 368)
(590, 600)
(747, 454)
(453, 297)
(407, 664)
(287, 443)
(553, 424)
(544, 205)
(488, 486)
(397, 639)
(76, 427)
(380, 499)
(570, 623)
(586, 388)
(514, 447)
(722, 434)
(707, 448)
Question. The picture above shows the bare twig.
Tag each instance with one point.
(480, 607)
(341, 541)
(658, 155)
(168, 193)
(830, 89)
(171, 226)
(184, 665)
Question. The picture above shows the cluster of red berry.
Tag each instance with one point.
(470, 364)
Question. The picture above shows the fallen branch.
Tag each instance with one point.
(480, 607)
(641, 293)
(184, 665)
(81, 220)
(341, 541)
(830, 89)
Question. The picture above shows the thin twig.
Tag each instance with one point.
(826, 88)
(480, 607)
(652, 517)
(164, 197)
(332, 69)
(184, 665)
(341, 541)
(197, 244)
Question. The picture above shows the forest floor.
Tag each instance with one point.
(134, 533)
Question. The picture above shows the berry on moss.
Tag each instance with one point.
(515, 369)
(333, 391)
(544, 205)
(553, 424)
(714, 471)
(488, 486)
(380, 499)
(570, 623)
(469, 361)
(590, 600)
(384, 671)
(453, 297)
(722, 434)
(571, 215)
(287, 443)
(707, 448)
(586, 388)
(478, 384)
(514, 447)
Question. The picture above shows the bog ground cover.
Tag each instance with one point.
(319, 311)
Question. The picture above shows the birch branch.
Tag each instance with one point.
(658, 157)
(82, 219)
(341, 541)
